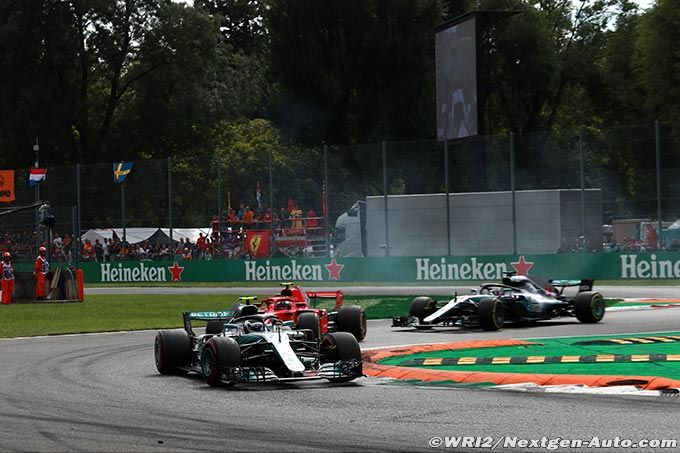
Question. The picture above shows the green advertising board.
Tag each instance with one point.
(432, 269)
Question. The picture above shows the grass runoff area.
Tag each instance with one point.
(642, 355)
(105, 313)
(113, 312)
(457, 283)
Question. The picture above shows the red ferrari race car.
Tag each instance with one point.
(295, 305)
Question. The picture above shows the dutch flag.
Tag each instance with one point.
(35, 175)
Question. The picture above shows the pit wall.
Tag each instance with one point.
(415, 270)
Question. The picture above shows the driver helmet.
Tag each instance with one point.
(253, 326)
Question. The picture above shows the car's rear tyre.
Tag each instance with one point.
(340, 346)
(219, 353)
(421, 308)
(491, 315)
(172, 350)
(589, 307)
(352, 319)
(309, 321)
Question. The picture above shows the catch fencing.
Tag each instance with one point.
(618, 190)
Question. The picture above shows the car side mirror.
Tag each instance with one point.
(473, 291)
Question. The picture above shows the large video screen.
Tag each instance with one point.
(456, 68)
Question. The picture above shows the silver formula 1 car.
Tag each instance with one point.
(241, 345)
(517, 299)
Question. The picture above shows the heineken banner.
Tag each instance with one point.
(602, 266)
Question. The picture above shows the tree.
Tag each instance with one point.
(241, 23)
(657, 60)
(353, 71)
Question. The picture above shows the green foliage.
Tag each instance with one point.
(104, 80)
(657, 59)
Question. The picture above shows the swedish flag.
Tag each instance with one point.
(121, 170)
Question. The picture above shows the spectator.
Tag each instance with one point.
(241, 212)
(201, 245)
(248, 217)
(68, 245)
(296, 219)
(614, 246)
(105, 251)
(283, 216)
(267, 217)
(88, 250)
(124, 251)
(57, 247)
(215, 225)
(98, 250)
(675, 246)
(312, 223)
(186, 255)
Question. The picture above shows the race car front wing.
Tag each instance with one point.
(337, 370)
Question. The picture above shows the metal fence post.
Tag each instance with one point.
(170, 201)
(446, 188)
(76, 240)
(657, 137)
(122, 207)
(219, 202)
(38, 235)
(512, 189)
(74, 222)
(324, 199)
(583, 192)
(387, 228)
(272, 243)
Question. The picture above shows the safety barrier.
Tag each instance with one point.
(419, 270)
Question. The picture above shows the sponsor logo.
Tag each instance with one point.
(257, 272)
(334, 269)
(255, 241)
(522, 266)
(176, 272)
(140, 273)
(211, 314)
(472, 269)
(632, 267)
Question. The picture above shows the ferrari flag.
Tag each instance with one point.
(7, 186)
(257, 243)
(35, 175)
(121, 170)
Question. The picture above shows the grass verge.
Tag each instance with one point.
(106, 313)
(458, 283)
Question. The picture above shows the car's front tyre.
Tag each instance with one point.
(219, 353)
(310, 323)
(422, 307)
(491, 316)
(589, 307)
(341, 347)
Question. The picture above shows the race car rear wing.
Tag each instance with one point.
(188, 316)
(583, 284)
(337, 295)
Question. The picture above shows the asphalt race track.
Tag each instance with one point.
(101, 392)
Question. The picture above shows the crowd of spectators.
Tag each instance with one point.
(226, 238)
(291, 221)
